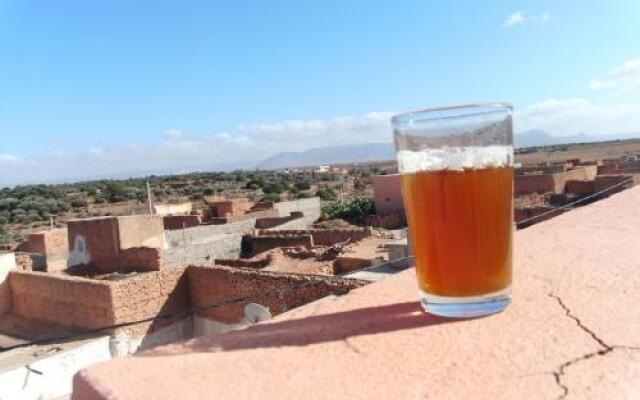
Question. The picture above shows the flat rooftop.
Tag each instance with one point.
(573, 331)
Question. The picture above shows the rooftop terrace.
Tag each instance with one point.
(573, 331)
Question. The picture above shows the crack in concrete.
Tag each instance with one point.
(579, 323)
(606, 348)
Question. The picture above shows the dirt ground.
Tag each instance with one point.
(283, 261)
(585, 152)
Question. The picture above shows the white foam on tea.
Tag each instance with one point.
(454, 158)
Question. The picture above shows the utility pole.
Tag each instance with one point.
(149, 199)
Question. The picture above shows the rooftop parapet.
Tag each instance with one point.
(573, 329)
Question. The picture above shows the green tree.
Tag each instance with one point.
(327, 194)
(273, 188)
(353, 210)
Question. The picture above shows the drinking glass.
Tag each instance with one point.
(456, 169)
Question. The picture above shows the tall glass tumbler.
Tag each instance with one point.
(456, 166)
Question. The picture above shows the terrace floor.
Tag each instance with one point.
(573, 331)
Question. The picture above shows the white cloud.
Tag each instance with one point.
(563, 117)
(301, 134)
(623, 78)
(171, 134)
(9, 159)
(519, 17)
(249, 144)
(514, 19)
(96, 151)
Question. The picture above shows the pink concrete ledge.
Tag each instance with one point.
(573, 331)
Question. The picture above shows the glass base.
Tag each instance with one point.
(466, 307)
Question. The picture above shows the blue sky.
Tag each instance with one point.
(108, 88)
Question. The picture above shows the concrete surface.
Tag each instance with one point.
(573, 331)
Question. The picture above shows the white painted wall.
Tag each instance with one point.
(51, 378)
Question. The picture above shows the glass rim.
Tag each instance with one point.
(483, 109)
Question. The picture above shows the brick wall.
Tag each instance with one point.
(89, 304)
(71, 301)
(253, 245)
(214, 284)
(324, 237)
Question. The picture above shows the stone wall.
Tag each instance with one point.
(210, 285)
(253, 245)
(323, 237)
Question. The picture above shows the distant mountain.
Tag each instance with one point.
(330, 155)
(384, 151)
(536, 137)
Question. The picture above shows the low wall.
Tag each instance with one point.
(579, 188)
(66, 300)
(280, 292)
(89, 304)
(309, 207)
(602, 182)
(271, 222)
(218, 246)
(240, 263)
(149, 294)
(253, 245)
(172, 222)
(553, 183)
(323, 237)
(205, 233)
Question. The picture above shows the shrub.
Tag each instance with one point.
(272, 197)
(327, 194)
(303, 185)
(353, 210)
(273, 188)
